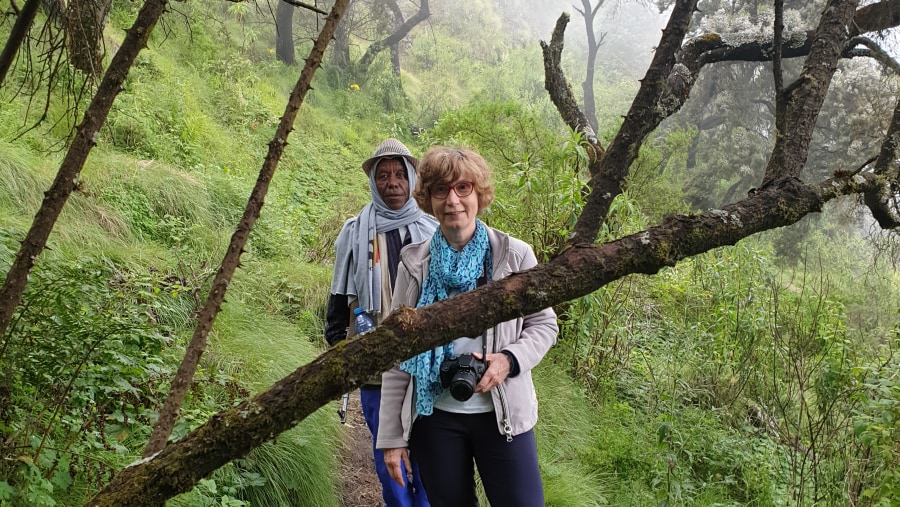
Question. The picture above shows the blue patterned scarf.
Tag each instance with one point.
(449, 272)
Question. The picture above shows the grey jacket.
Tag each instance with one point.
(527, 338)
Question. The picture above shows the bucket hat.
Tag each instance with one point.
(387, 149)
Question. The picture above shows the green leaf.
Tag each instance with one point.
(61, 478)
(6, 490)
(209, 484)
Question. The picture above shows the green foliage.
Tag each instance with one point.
(321, 183)
(654, 182)
(297, 468)
(596, 329)
(504, 132)
(537, 179)
(543, 202)
(84, 359)
(157, 205)
(567, 427)
(875, 426)
(19, 186)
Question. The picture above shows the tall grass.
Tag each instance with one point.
(297, 467)
(566, 429)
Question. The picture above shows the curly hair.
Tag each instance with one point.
(447, 165)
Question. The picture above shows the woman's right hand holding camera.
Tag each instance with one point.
(397, 461)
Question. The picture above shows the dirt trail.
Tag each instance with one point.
(359, 484)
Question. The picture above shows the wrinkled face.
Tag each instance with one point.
(392, 183)
(455, 214)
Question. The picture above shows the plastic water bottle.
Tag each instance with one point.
(362, 321)
(363, 324)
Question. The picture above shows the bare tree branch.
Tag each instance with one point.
(376, 47)
(712, 48)
(876, 17)
(651, 105)
(185, 374)
(589, 14)
(882, 200)
(561, 92)
(777, 70)
(304, 5)
(295, 3)
(806, 95)
(24, 19)
(874, 51)
(70, 169)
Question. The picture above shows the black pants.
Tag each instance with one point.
(446, 447)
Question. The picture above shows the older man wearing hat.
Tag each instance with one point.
(367, 252)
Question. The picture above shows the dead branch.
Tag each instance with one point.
(67, 177)
(185, 374)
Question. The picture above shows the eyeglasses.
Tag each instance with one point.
(462, 189)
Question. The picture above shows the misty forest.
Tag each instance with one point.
(712, 188)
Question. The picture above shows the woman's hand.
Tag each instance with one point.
(497, 371)
(397, 461)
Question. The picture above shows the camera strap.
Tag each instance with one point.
(482, 281)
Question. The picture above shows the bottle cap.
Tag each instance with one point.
(357, 310)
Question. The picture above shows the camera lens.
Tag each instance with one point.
(463, 385)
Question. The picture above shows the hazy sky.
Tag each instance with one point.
(631, 31)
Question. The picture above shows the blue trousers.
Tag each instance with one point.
(413, 494)
(447, 447)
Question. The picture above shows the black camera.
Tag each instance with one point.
(461, 375)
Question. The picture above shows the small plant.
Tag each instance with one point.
(99, 331)
(876, 426)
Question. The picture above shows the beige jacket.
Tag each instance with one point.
(527, 338)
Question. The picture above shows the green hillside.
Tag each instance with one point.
(760, 374)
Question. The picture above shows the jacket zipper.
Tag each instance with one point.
(507, 427)
(412, 405)
(412, 413)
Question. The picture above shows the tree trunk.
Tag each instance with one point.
(85, 20)
(340, 48)
(395, 47)
(395, 59)
(185, 375)
(284, 33)
(55, 10)
(590, 13)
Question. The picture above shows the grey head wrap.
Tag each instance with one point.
(356, 264)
